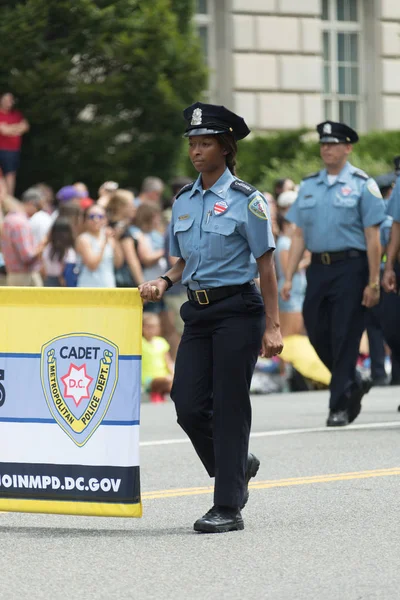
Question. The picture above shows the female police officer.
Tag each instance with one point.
(221, 233)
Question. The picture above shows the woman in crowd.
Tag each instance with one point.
(58, 253)
(283, 185)
(74, 214)
(151, 248)
(120, 211)
(290, 311)
(99, 251)
(105, 191)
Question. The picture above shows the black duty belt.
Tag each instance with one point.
(210, 295)
(327, 258)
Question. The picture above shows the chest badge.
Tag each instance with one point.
(346, 190)
(220, 207)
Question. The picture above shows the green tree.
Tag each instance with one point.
(103, 84)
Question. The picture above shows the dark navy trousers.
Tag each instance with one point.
(213, 370)
(335, 320)
(376, 341)
(390, 320)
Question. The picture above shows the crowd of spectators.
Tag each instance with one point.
(117, 239)
(120, 238)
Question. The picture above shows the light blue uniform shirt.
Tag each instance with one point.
(385, 229)
(394, 202)
(333, 217)
(220, 232)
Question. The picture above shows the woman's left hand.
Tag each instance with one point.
(272, 343)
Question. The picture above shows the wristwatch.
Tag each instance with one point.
(168, 280)
(375, 285)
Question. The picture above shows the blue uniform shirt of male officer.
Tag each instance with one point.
(219, 236)
(389, 281)
(338, 212)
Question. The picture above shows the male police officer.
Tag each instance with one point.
(337, 213)
(374, 321)
(391, 275)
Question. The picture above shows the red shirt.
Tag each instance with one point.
(10, 142)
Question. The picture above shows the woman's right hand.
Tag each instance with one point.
(154, 290)
(286, 289)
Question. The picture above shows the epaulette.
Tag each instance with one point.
(242, 186)
(311, 176)
(185, 188)
(361, 175)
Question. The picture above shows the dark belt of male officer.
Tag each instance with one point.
(329, 258)
(209, 295)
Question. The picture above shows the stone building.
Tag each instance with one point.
(285, 64)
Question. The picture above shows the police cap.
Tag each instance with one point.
(209, 119)
(396, 161)
(385, 181)
(336, 133)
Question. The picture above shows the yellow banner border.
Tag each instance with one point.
(59, 507)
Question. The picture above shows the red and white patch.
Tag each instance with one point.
(346, 191)
(220, 207)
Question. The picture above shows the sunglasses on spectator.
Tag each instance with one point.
(97, 216)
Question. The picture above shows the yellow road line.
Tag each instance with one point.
(276, 483)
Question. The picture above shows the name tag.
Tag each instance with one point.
(183, 217)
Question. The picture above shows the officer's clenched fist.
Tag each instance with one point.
(152, 291)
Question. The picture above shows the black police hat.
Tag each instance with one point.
(209, 119)
(336, 133)
(396, 161)
(385, 181)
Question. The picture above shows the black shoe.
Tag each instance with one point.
(220, 519)
(253, 464)
(337, 418)
(355, 400)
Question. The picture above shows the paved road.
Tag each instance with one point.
(322, 521)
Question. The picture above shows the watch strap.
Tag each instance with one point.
(168, 280)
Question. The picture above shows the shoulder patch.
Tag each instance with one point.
(372, 187)
(258, 207)
(311, 176)
(361, 175)
(242, 186)
(185, 188)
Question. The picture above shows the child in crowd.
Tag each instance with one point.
(157, 365)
